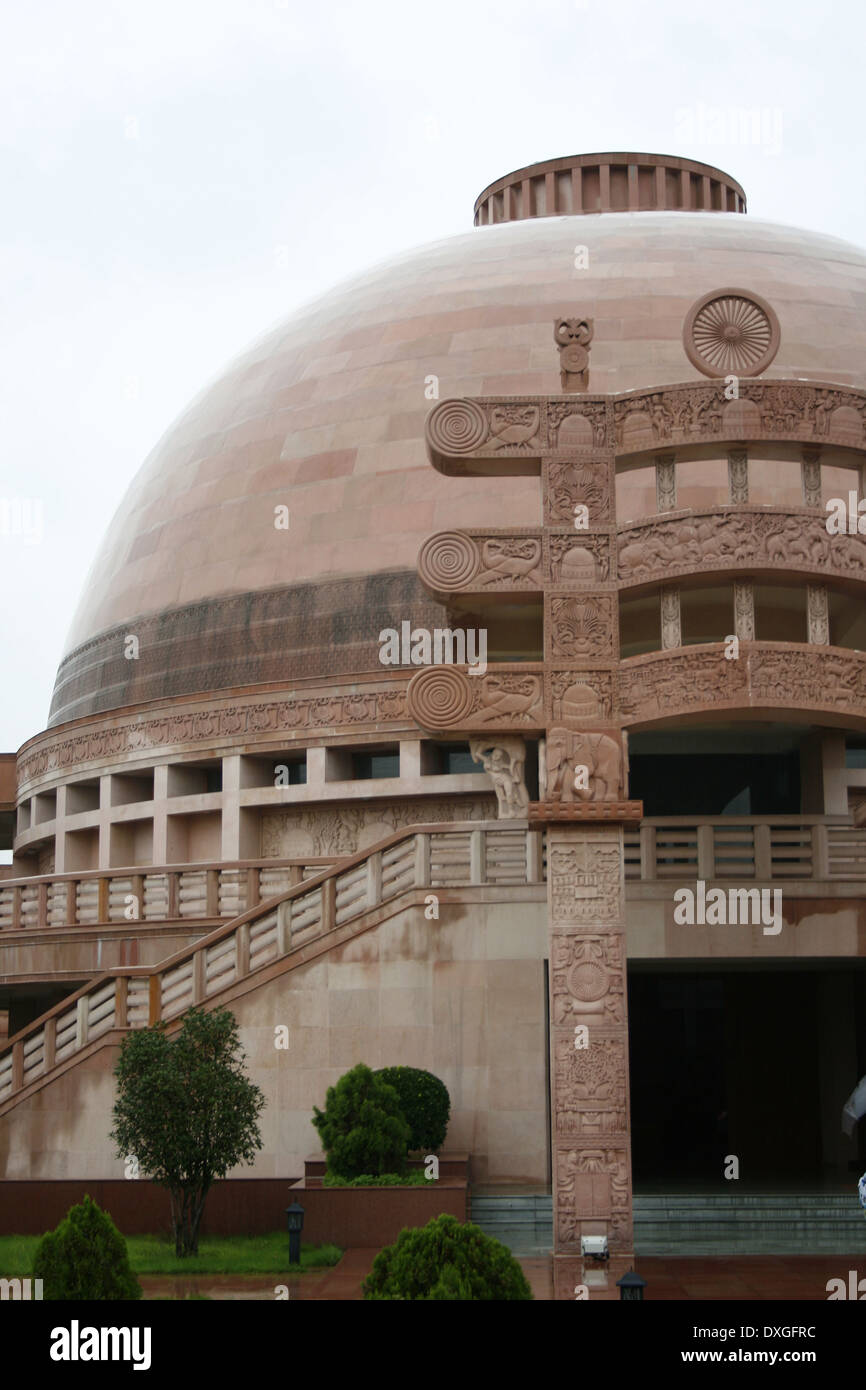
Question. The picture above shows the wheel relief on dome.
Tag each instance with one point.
(731, 333)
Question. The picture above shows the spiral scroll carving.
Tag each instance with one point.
(457, 427)
(439, 697)
(448, 561)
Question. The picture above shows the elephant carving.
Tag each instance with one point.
(599, 754)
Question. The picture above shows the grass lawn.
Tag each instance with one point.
(217, 1255)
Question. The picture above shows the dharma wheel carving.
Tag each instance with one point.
(731, 332)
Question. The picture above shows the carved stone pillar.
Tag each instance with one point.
(819, 615)
(738, 475)
(592, 1188)
(811, 473)
(666, 482)
(744, 610)
(670, 617)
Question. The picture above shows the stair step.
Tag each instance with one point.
(695, 1224)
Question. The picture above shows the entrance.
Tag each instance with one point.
(754, 1061)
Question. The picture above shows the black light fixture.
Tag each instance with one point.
(631, 1286)
(295, 1221)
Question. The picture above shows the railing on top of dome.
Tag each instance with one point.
(327, 910)
(745, 847)
(159, 893)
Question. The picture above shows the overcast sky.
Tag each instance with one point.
(179, 174)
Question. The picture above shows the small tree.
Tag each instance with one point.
(187, 1111)
(362, 1127)
(425, 1103)
(85, 1257)
(446, 1261)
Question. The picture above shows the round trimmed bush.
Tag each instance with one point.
(446, 1261)
(362, 1128)
(85, 1257)
(425, 1102)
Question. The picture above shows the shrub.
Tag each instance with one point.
(362, 1128)
(424, 1101)
(85, 1257)
(445, 1261)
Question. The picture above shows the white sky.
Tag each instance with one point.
(176, 175)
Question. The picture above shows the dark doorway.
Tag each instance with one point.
(751, 1062)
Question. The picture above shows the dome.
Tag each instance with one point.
(325, 415)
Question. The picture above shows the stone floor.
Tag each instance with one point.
(671, 1277)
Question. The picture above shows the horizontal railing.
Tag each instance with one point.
(425, 857)
(165, 893)
(745, 847)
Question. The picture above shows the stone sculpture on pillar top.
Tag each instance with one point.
(505, 761)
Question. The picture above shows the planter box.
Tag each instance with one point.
(374, 1216)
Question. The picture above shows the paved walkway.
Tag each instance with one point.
(344, 1281)
(752, 1277)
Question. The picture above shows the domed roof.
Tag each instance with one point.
(325, 414)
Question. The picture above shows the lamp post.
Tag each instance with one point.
(295, 1221)
(631, 1286)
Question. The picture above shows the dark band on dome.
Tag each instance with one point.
(326, 628)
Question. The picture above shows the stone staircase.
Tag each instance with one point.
(288, 929)
(522, 1222)
(696, 1223)
(749, 1224)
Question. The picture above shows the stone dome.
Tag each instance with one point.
(325, 415)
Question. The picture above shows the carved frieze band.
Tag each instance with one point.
(732, 537)
(773, 674)
(294, 716)
(763, 410)
(451, 698)
(452, 562)
(530, 427)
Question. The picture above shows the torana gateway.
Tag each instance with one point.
(583, 455)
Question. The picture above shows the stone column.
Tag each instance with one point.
(818, 609)
(583, 805)
(811, 475)
(744, 610)
(670, 618)
(592, 1191)
(738, 475)
(666, 482)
